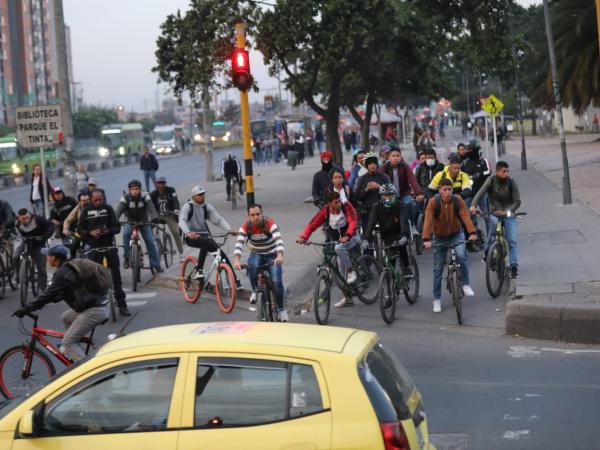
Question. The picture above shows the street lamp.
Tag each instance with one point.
(519, 53)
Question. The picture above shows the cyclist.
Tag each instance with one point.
(7, 218)
(461, 149)
(367, 187)
(445, 214)
(34, 226)
(266, 247)
(341, 222)
(70, 224)
(231, 170)
(87, 309)
(392, 217)
(337, 184)
(322, 179)
(358, 167)
(426, 172)
(167, 204)
(92, 186)
(98, 225)
(63, 205)
(138, 207)
(193, 223)
(460, 181)
(504, 196)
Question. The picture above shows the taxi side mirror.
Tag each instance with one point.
(26, 425)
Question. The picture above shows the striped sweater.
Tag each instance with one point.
(260, 240)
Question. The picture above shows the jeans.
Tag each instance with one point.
(276, 154)
(410, 207)
(341, 249)
(38, 207)
(276, 273)
(207, 244)
(510, 233)
(149, 174)
(439, 259)
(146, 232)
(112, 258)
(236, 179)
(171, 222)
(78, 325)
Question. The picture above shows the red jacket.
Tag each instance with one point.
(406, 178)
(321, 217)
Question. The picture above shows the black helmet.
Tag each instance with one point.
(134, 183)
(474, 145)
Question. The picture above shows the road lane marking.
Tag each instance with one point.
(529, 351)
(141, 295)
(517, 435)
(141, 303)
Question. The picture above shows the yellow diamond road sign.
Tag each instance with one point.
(493, 105)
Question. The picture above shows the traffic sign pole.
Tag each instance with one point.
(487, 137)
(44, 183)
(495, 140)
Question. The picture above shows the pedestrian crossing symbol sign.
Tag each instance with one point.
(493, 105)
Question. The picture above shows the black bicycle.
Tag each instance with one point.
(110, 295)
(28, 270)
(266, 297)
(454, 277)
(8, 268)
(164, 242)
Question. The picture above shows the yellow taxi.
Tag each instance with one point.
(225, 386)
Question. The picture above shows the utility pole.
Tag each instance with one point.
(519, 54)
(598, 20)
(208, 154)
(64, 93)
(558, 107)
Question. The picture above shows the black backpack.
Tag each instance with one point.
(94, 277)
(191, 214)
(437, 207)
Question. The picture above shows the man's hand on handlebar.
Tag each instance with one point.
(344, 239)
(20, 313)
(237, 265)
(233, 232)
(473, 209)
(301, 241)
(420, 198)
(427, 244)
(192, 235)
(279, 260)
(473, 237)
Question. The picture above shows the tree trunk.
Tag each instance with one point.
(366, 124)
(534, 123)
(332, 120)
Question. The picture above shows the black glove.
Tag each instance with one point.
(20, 313)
(155, 220)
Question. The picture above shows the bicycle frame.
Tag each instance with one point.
(38, 336)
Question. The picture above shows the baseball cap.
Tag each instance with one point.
(56, 250)
(57, 189)
(197, 190)
(92, 181)
(161, 179)
(326, 155)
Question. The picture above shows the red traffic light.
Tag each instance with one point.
(240, 68)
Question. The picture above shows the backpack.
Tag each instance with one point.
(94, 277)
(191, 214)
(437, 207)
(263, 225)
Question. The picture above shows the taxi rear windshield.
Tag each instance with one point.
(388, 385)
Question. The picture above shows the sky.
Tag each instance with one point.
(113, 44)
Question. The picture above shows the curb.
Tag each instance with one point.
(172, 283)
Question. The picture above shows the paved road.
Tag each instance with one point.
(480, 388)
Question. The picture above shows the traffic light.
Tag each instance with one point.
(240, 68)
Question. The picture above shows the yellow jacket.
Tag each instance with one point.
(461, 183)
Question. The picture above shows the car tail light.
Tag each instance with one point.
(394, 437)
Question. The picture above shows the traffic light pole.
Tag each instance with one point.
(240, 35)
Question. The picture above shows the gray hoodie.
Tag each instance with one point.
(197, 221)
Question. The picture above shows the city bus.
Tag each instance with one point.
(219, 132)
(121, 139)
(16, 160)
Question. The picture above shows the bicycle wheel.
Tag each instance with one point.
(111, 306)
(24, 279)
(13, 382)
(411, 282)
(168, 250)
(3, 279)
(33, 279)
(456, 288)
(367, 279)
(12, 271)
(265, 312)
(160, 247)
(225, 288)
(379, 248)
(233, 194)
(494, 269)
(322, 298)
(135, 266)
(190, 288)
(387, 296)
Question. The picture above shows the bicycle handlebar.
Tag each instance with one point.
(98, 249)
(450, 244)
(259, 268)
(320, 244)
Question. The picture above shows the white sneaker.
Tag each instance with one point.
(351, 278)
(468, 291)
(343, 303)
(437, 306)
(253, 298)
(283, 316)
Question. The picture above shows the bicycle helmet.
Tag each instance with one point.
(453, 155)
(474, 145)
(371, 157)
(388, 189)
(134, 183)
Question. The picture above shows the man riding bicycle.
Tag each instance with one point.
(231, 170)
(98, 225)
(446, 214)
(138, 208)
(322, 179)
(63, 205)
(167, 204)
(263, 238)
(367, 186)
(87, 309)
(426, 172)
(35, 227)
(460, 181)
(341, 224)
(70, 224)
(504, 198)
(392, 217)
(193, 224)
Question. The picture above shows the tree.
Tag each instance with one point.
(148, 124)
(231, 113)
(89, 120)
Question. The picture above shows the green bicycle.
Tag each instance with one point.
(393, 279)
(365, 286)
(497, 262)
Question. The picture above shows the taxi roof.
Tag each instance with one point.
(232, 335)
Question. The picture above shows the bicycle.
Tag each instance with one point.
(497, 261)
(136, 255)
(365, 286)
(164, 242)
(24, 367)
(454, 278)
(419, 247)
(234, 193)
(28, 270)
(8, 268)
(266, 298)
(225, 286)
(111, 300)
(393, 279)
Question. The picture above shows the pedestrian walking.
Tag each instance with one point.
(81, 177)
(36, 191)
(149, 166)
(320, 138)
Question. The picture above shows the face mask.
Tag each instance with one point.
(430, 162)
(389, 202)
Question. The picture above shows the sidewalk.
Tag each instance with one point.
(558, 292)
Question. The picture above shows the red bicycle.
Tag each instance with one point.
(24, 367)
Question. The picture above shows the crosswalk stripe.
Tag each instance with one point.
(142, 303)
(141, 295)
